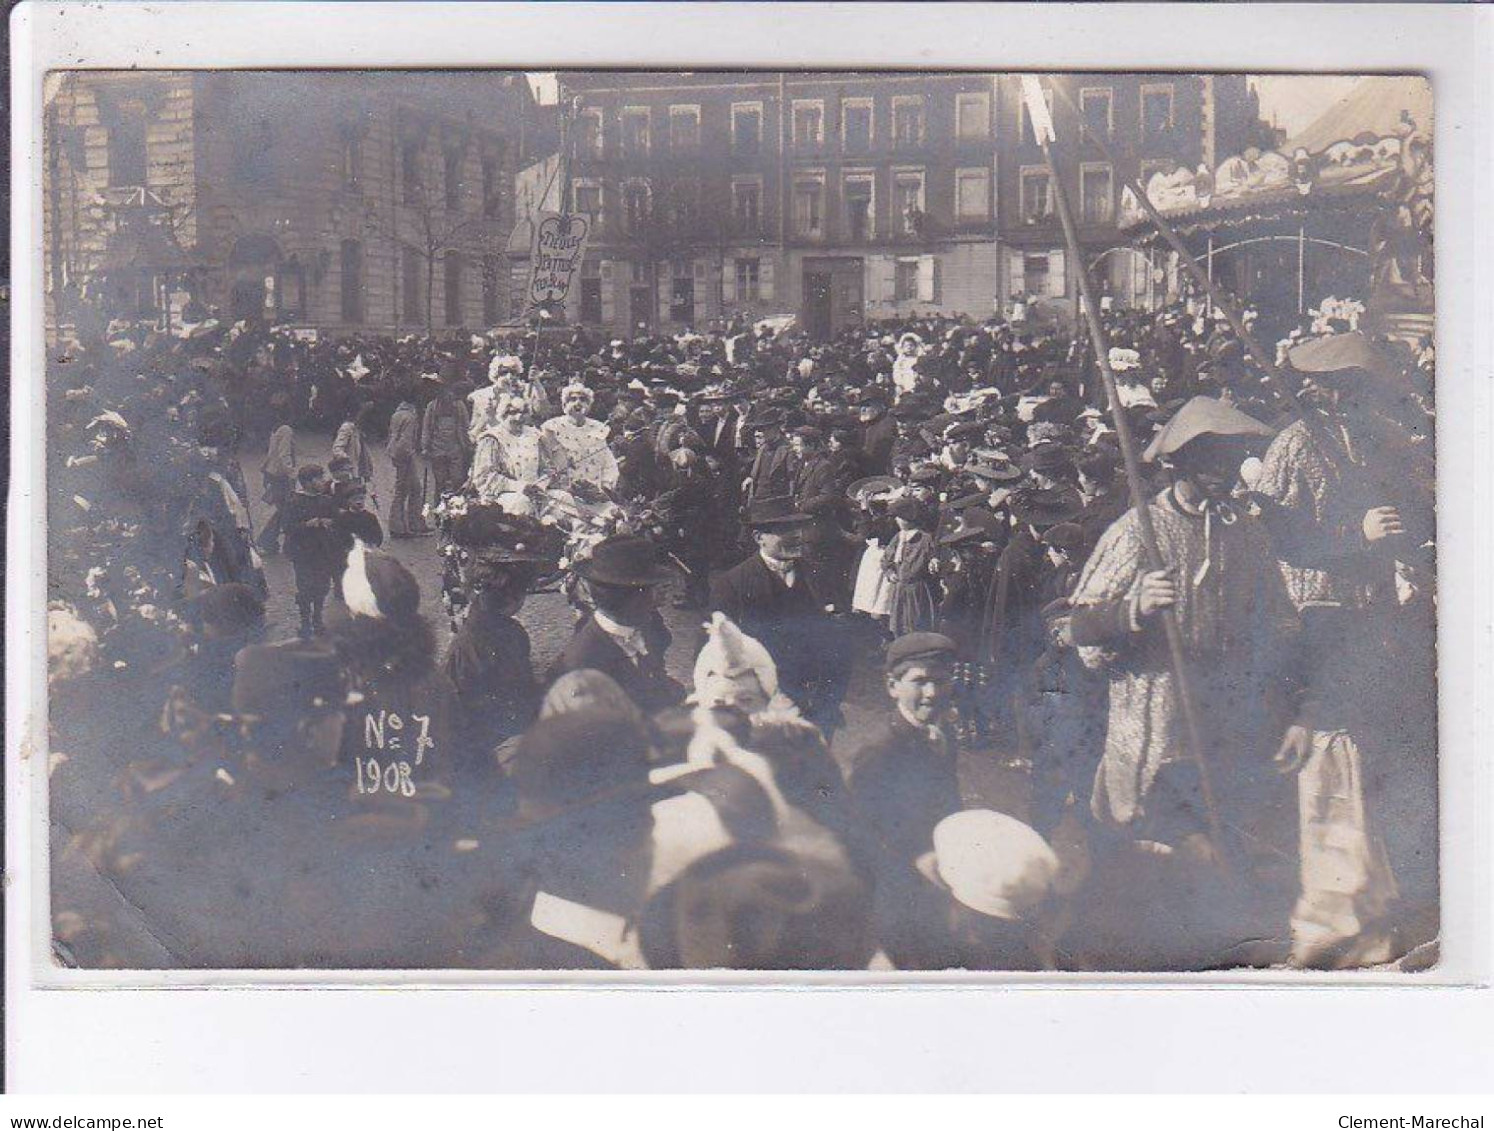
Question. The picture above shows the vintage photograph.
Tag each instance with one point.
(896, 522)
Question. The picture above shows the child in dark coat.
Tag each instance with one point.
(313, 543)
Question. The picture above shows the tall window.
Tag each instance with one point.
(410, 171)
(1037, 202)
(412, 283)
(860, 207)
(973, 116)
(907, 121)
(1156, 110)
(747, 129)
(684, 128)
(1029, 137)
(351, 157)
(809, 125)
(589, 132)
(809, 207)
(635, 205)
(856, 125)
(972, 194)
(746, 205)
(635, 134)
(490, 305)
(905, 281)
(452, 181)
(453, 292)
(591, 299)
(749, 280)
(1096, 193)
(492, 181)
(352, 281)
(127, 157)
(907, 200)
(1097, 104)
(684, 204)
(588, 200)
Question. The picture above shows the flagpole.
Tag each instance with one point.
(1043, 129)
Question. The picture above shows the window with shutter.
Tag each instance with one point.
(729, 281)
(1016, 275)
(881, 278)
(765, 280)
(609, 305)
(925, 278)
(1057, 283)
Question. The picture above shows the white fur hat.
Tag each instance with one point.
(504, 363)
(730, 652)
(576, 388)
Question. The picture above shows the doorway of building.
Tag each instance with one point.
(253, 267)
(818, 304)
(640, 309)
(833, 294)
(682, 301)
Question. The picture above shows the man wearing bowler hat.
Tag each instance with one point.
(624, 636)
(770, 596)
(772, 471)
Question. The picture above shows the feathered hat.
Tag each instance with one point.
(377, 585)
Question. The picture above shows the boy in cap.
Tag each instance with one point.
(903, 779)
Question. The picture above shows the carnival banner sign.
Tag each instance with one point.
(555, 255)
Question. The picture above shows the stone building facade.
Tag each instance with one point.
(843, 197)
(340, 202)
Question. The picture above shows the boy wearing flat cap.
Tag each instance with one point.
(903, 779)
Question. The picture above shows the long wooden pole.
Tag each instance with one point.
(1139, 500)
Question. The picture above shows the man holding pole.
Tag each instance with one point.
(1222, 584)
(1182, 603)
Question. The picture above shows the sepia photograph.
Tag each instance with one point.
(888, 521)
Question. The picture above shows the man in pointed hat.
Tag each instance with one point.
(1221, 583)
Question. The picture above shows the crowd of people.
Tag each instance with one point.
(1219, 710)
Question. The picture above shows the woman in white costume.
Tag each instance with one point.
(510, 466)
(576, 444)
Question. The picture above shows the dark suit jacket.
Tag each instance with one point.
(772, 472)
(645, 681)
(902, 785)
(815, 478)
(791, 624)
(876, 445)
